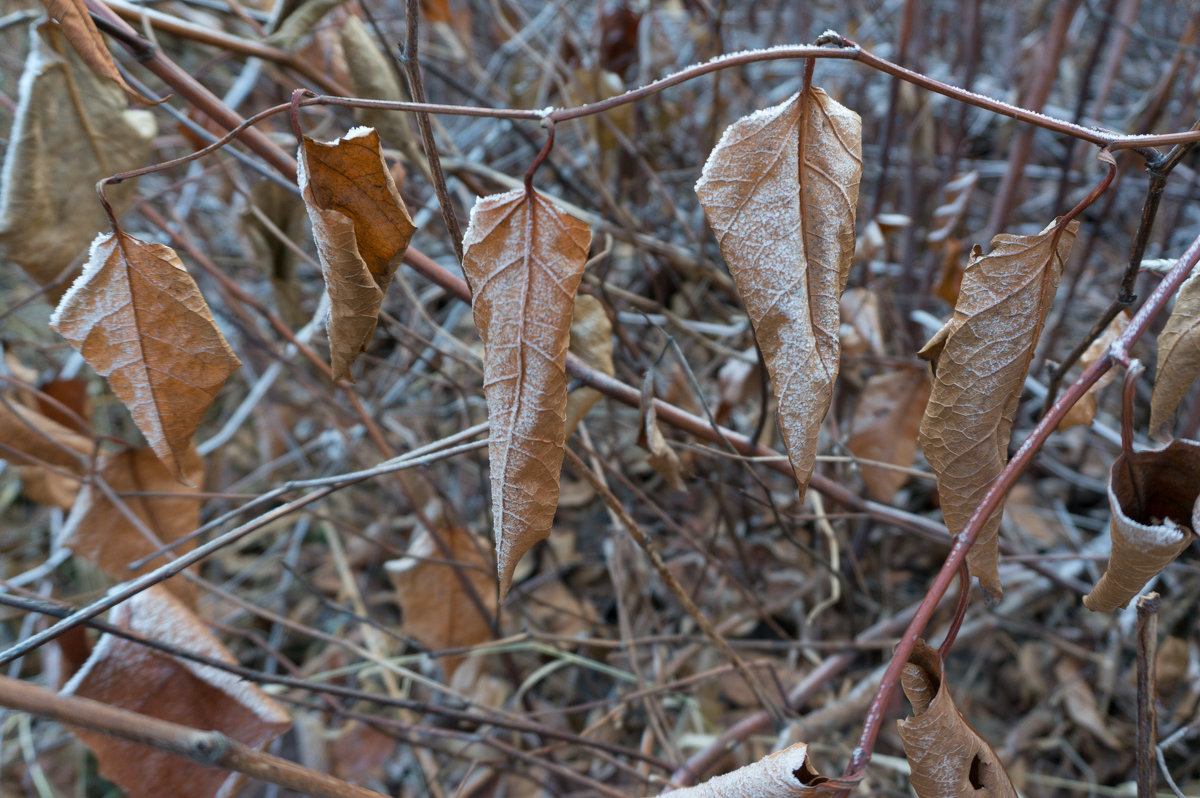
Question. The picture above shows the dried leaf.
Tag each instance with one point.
(77, 25)
(1080, 702)
(979, 362)
(272, 205)
(71, 129)
(591, 339)
(662, 458)
(1178, 356)
(438, 611)
(1155, 502)
(783, 774)
(362, 230)
(947, 757)
(98, 531)
(524, 259)
(780, 191)
(137, 317)
(124, 674)
(292, 20)
(884, 428)
(1083, 412)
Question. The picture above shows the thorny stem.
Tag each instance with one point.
(1118, 353)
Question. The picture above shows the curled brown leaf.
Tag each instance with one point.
(362, 230)
(1155, 502)
(783, 774)
(979, 360)
(947, 757)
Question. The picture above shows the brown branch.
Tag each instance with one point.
(205, 747)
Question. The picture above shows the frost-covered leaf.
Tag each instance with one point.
(780, 191)
(123, 674)
(362, 230)
(1178, 355)
(1155, 502)
(783, 774)
(438, 611)
(71, 129)
(524, 259)
(979, 361)
(947, 757)
(105, 535)
(884, 428)
(137, 317)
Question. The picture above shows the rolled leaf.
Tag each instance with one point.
(1155, 500)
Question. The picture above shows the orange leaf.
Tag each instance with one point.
(1178, 355)
(783, 774)
(884, 428)
(1155, 501)
(362, 230)
(101, 533)
(947, 757)
(438, 611)
(76, 23)
(524, 259)
(780, 191)
(129, 676)
(980, 359)
(137, 317)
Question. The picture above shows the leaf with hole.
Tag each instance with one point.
(979, 360)
(947, 757)
(524, 259)
(138, 318)
(780, 191)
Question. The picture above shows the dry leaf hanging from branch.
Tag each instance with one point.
(1178, 355)
(524, 259)
(947, 757)
(111, 537)
(438, 611)
(1155, 501)
(123, 674)
(137, 317)
(362, 230)
(979, 361)
(780, 191)
(783, 774)
(71, 129)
